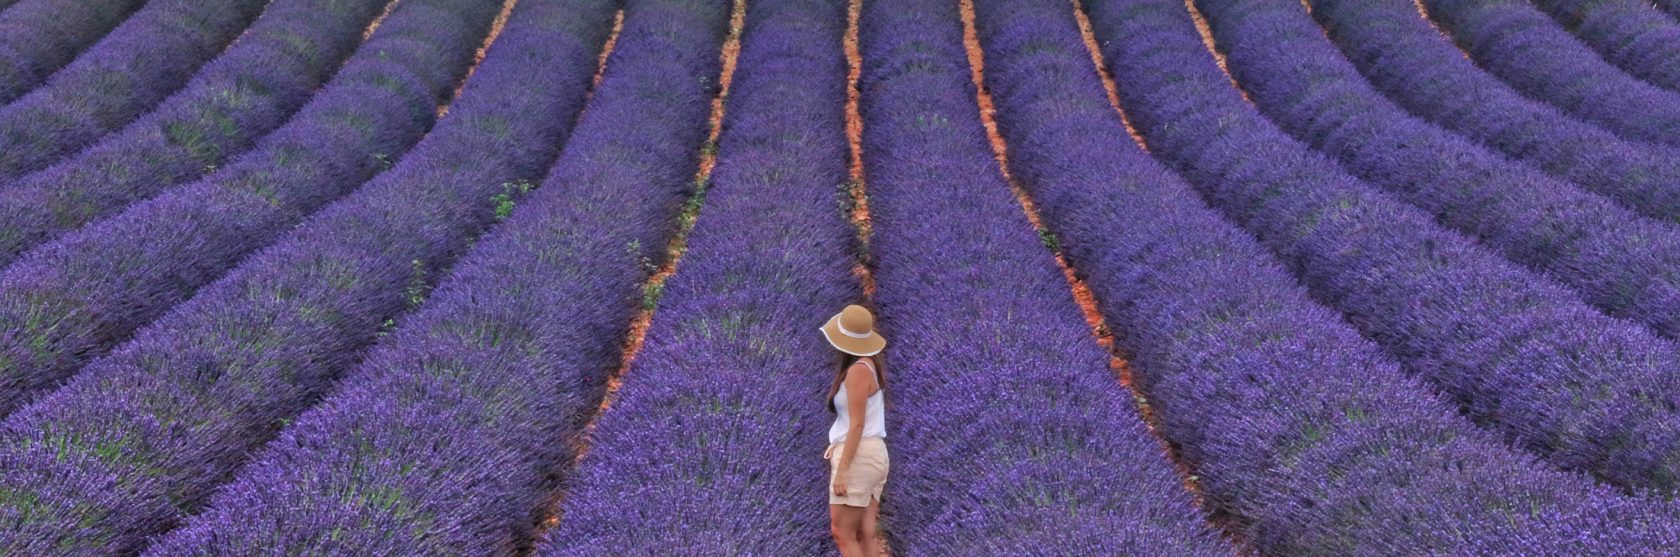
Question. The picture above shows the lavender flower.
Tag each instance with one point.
(716, 433)
(1305, 435)
(37, 37)
(1513, 40)
(1617, 260)
(1004, 413)
(233, 364)
(1631, 34)
(1523, 355)
(137, 65)
(1424, 72)
(451, 434)
(72, 299)
(249, 90)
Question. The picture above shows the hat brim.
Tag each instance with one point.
(865, 346)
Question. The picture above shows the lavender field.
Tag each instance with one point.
(542, 277)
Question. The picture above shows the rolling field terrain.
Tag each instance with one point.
(543, 277)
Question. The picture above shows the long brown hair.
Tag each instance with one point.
(844, 362)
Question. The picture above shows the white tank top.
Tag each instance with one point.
(874, 415)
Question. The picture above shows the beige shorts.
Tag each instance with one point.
(865, 478)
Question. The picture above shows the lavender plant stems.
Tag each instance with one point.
(140, 62)
(451, 434)
(1522, 354)
(724, 356)
(248, 91)
(72, 299)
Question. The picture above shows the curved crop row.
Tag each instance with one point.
(1301, 431)
(981, 319)
(39, 36)
(72, 299)
(171, 414)
(137, 65)
(1421, 70)
(1516, 42)
(1670, 6)
(733, 354)
(1617, 260)
(1631, 34)
(249, 90)
(447, 439)
(1522, 354)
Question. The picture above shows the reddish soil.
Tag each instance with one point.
(1102, 71)
(854, 135)
(478, 56)
(389, 6)
(1423, 11)
(1207, 41)
(674, 249)
(1081, 292)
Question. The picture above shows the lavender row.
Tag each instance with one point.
(1303, 435)
(37, 37)
(1631, 34)
(1009, 432)
(72, 299)
(1617, 260)
(448, 438)
(138, 64)
(733, 354)
(249, 90)
(253, 349)
(1513, 40)
(1423, 71)
(1522, 354)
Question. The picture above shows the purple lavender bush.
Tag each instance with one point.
(455, 430)
(229, 367)
(716, 433)
(72, 299)
(1513, 40)
(37, 37)
(248, 91)
(1631, 34)
(137, 65)
(1009, 433)
(1305, 438)
(1414, 65)
(1521, 354)
(1672, 7)
(1616, 259)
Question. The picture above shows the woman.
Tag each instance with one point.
(857, 449)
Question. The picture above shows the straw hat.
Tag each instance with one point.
(853, 332)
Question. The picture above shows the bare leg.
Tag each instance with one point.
(868, 536)
(843, 522)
